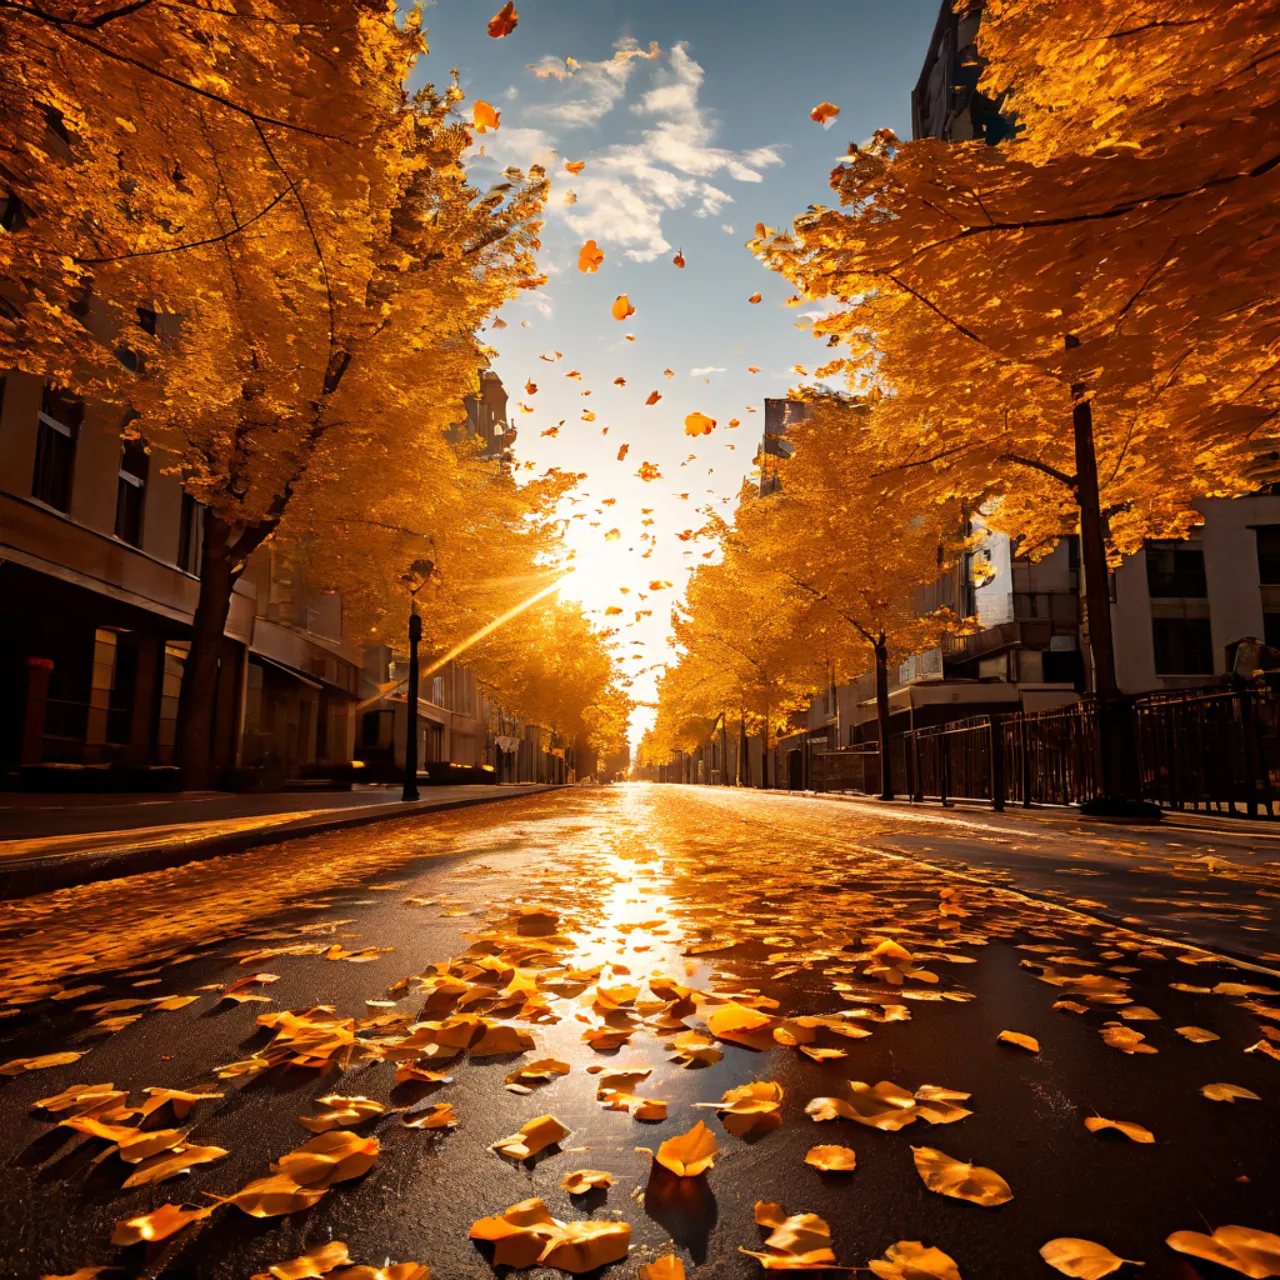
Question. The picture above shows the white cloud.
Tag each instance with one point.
(705, 369)
(724, 226)
(628, 187)
(519, 147)
(512, 93)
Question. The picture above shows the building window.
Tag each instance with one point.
(59, 429)
(376, 729)
(1268, 553)
(1271, 630)
(1175, 569)
(190, 535)
(1184, 646)
(131, 488)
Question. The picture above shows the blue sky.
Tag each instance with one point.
(684, 149)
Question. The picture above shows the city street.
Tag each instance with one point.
(640, 950)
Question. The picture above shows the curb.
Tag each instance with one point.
(44, 875)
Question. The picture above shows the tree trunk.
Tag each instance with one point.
(744, 751)
(764, 749)
(724, 749)
(197, 698)
(1093, 549)
(882, 717)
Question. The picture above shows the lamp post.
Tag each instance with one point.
(415, 580)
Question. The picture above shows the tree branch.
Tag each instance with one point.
(1036, 465)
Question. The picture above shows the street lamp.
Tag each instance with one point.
(415, 580)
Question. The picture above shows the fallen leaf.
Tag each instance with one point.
(689, 1154)
(314, 1263)
(526, 1234)
(1022, 1041)
(800, 1242)
(16, 1066)
(537, 1135)
(169, 1164)
(1252, 1253)
(831, 1159)
(581, 1181)
(341, 1112)
(336, 1156)
(541, 1071)
(668, 1267)
(1126, 1039)
(743, 1108)
(910, 1260)
(503, 23)
(441, 1115)
(274, 1196)
(1197, 1035)
(951, 1177)
(1135, 1132)
(1227, 1092)
(159, 1225)
(1082, 1259)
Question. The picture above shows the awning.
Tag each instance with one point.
(289, 671)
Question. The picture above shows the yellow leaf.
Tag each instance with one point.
(831, 1159)
(698, 424)
(484, 117)
(1022, 1041)
(158, 1225)
(1135, 1132)
(590, 256)
(16, 1066)
(1197, 1035)
(824, 113)
(1227, 1092)
(336, 1156)
(168, 1164)
(440, 1115)
(581, 1181)
(668, 1267)
(951, 1177)
(689, 1154)
(1250, 1252)
(537, 1135)
(1082, 1259)
(314, 1263)
(910, 1260)
(622, 307)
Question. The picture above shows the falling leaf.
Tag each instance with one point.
(612, 611)
(698, 424)
(733, 422)
(1135, 1132)
(581, 1181)
(503, 23)
(1246, 1250)
(831, 1159)
(440, 1115)
(649, 471)
(678, 260)
(484, 117)
(622, 307)
(575, 166)
(531, 388)
(654, 397)
(1082, 1259)
(1197, 1035)
(17, 1065)
(910, 1260)
(689, 1154)
(590, 256)
(755, 297)
(613, 535)
(1227, 1092)
(824, 113)
(537, 1135)
(951, 1177)
(570, 197)
(158, 1225)
(753, 369)
(1022, 1041)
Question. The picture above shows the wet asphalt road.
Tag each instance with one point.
(729, 894)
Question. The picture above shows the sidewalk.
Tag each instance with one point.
(55, 841)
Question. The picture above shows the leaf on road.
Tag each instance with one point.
(800, 1242)
(1228, 1092)
(83, 1098)
(274, 1196)
(16, 1066)
(581, 1181)
(951, 1177)
(668, 1267)
(537, 1135)
(693, 1049)
(1135, 1132)
(409, 1073)
(179, 1099)
(831, 1159)
(1250, 1252)
(341, 1112)
(169, 1164)
(910, 1260)
(689, 1154)
(159, 1225)
(439, 1116)
(527, 1235)
(1197, 1035)
(336, 1156)
(742, 1025)
(314, 1263)
(743, 1108)
(1022, 1041)
(535, 1073)
(1082, 1259)
(1126, 1039)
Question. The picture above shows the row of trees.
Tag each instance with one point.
(1074, 331)
(234, 224)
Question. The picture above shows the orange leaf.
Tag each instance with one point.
(503, 23)
(590, 256)
(698, 424)
(755, 297)
(654, 397)
(484, 117)
(678, 260)
(622, 307)
(575, 166)
(622, 452)
(824, 113)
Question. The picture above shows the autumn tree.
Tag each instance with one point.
(1075, 327)
(307, 237)
(855, 549)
